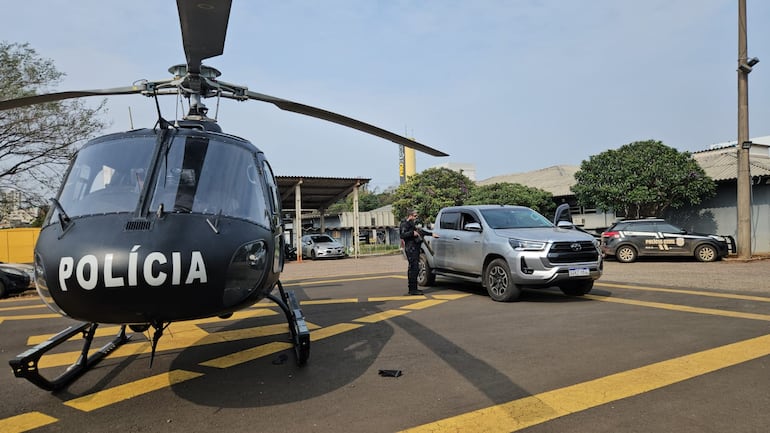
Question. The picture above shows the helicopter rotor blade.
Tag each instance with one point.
(204, 26)
(320, 113)
(59, 96)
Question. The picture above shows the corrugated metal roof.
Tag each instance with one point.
(720, 164)
(556, 179)
(316, 192)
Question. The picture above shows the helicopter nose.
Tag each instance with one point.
(42, 286)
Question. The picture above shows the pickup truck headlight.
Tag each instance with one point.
(520, 244)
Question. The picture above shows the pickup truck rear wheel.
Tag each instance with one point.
(425, 275)
(497, 280)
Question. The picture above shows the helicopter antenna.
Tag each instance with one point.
(161, 123)
(130, 118)
(159, 328)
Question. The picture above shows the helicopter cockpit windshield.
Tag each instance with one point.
(203, 175)
(197, 174)
(107, 177)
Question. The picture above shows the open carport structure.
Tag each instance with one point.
(315, 194)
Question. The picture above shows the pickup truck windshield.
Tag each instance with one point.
(514, 218)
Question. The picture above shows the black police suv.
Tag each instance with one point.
(629, 239)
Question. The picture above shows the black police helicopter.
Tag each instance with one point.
(173, 223)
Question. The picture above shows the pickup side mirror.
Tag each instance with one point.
(565, 224)
(562, 214)
(472, 227)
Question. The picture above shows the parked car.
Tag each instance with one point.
(15, 278)
(630, 239)
(321, 247)
(507, 248)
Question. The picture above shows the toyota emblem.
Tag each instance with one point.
(575, 247)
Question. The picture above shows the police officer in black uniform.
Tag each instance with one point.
(412, 238)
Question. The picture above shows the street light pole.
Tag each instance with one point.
(744, 176)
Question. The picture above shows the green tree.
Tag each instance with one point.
(513, 194)
(641, 179)
(37, 142)
(431, 190)
(366, 201)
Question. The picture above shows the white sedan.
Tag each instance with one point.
(321, 247)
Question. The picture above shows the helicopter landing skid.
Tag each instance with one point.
(25, 364)
(300, 334)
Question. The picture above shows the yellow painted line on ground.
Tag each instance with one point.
(25, 422)
(689, 292)
(395, 298)
(136, 388)
(33, 316)
(451, 297)
(685, 308)
(109, 331)
(179, 340)
(22, 307)
(330, 301)
(333, 330)
(537, 409)
(379, 317)
(424, 304)
(247, 355)
(339, 280)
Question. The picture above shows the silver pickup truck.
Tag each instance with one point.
(507, 248)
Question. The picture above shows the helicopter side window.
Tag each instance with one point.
(272, 187)
(106, 177)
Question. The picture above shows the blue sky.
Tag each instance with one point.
(509, 86)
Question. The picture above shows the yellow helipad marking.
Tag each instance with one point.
(685, 308)
(689, 292)
(22, 307)
(379, 317)
(333, 330)
(33, 316)
(109, 331)
(395, 298)
(136, 388)
(25, 422)
(330, 301)
(247, 355)
(338, 280)
(179, 340)
(424, 304)
(537, 409)
(185, 334)
(451, 297)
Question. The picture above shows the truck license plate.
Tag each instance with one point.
(579, 272)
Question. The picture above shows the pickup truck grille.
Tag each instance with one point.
(573, 252)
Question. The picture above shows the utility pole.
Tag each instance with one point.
(744, 145)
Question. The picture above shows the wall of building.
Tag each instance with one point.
(719, 215)
(18, 245)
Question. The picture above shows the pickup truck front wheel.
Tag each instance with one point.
(497, 280)
(425, 275)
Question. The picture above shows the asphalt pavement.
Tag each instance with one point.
(729, 274)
